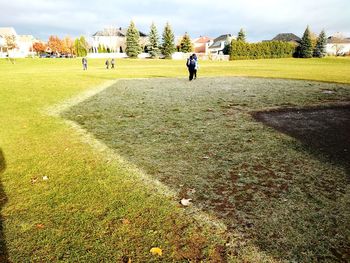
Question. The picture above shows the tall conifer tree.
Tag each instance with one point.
(168, 45)
(320, 49)
(241, 35)
(306, 49)
(153, 48)
(133, 47)
(186, 44)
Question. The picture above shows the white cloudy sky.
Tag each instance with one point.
(261, 19)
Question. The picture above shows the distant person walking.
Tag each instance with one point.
(196, 65)
(107, 64)
(191, 64)
(84, 62)
(112, 63)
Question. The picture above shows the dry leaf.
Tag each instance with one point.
(40, 226)
(34, 180)
(156, 251)
(125, 221)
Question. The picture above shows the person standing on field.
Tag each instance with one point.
(107, 64)
(191, 64)
(196, 66)
(84, 62)
(112, 63)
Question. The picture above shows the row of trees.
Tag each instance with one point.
(66, 46)
(309, 46)
(155, 48)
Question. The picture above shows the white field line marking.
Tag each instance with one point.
(111, 155)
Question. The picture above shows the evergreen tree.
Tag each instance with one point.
(186, 44)
(227, 47)
(153, 48)
(320, 49)
(306, 44)
(241, 35)
(168, 45)
(133, 47)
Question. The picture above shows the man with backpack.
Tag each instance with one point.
(191, 65)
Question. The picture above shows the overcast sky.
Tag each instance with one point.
(261, 19)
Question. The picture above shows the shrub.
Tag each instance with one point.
(270, 49)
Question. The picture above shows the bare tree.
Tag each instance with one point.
(10, 44)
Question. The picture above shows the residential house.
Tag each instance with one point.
(5, 32)
(24, 43)
(338, 45)
(218, 45)
(201, 44)
(113, 40)
(2, 44)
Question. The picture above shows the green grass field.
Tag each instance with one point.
(93, 207)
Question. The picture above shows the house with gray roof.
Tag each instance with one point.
(218, 45)
(338, 45)
(114, 40)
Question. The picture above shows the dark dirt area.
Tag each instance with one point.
(325, 131)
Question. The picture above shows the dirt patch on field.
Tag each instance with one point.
(325, 131)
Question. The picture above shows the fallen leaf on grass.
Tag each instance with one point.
(40, 226)
(125, 221)
(34, 180)
(185, 202)
(156, 251)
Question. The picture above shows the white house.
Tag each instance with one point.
(24, 43)
(2, 45)
(113, 40)
(338, 45)
(218, 45)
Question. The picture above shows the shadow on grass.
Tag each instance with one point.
(3, 200)
(325, 132)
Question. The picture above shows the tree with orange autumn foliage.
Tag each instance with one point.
(39, 47)
(68, 44)
(56, 45)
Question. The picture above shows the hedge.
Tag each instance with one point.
(269, 49)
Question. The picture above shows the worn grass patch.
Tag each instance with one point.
(200, 139)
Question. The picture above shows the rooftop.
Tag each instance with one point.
(118, 32)
(286, 37)
(220, 39)
(337, 40)
(7, 31)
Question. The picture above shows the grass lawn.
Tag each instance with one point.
(94, 208)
